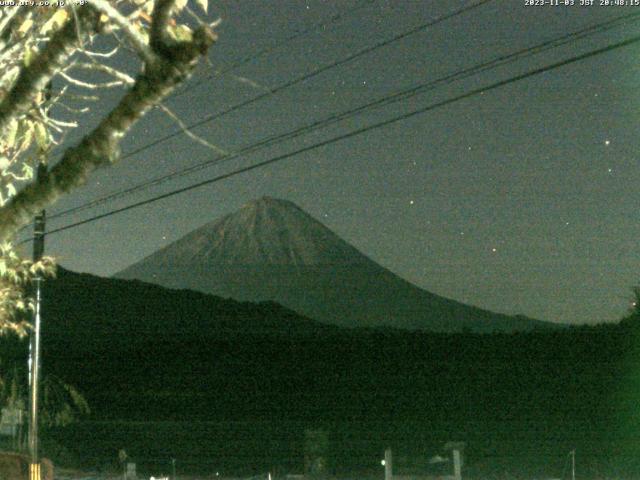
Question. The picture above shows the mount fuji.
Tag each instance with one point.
(272, 250)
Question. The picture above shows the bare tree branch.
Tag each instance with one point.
(91, 86)
(59, 123)
(106, 69)
(15, 16)
(101, 54)
(173, 63)
(134, 37)
(159, 21)
(189, 133)
(35, 77)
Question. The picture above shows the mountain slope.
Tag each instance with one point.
(86, 311)
(272, 250)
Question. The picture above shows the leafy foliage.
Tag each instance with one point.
(63, 403)
(16, 275)
(53, 69)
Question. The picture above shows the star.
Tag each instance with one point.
(494, 249)
(410, 202)
(607, 142)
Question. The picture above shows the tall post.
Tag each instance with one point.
(573, 464)
(388, 465)
(34, 345)
(457, 465)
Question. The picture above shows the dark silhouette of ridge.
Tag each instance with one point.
(233, 372)
(271, 249)
(126, 313)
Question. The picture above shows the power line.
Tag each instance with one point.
(385, 100)
(307, 76)
(311, 74)
(249, 58)
(356, 132)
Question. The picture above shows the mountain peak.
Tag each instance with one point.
(269, 210)
(271, 249)
(265, 231)
(271, 202)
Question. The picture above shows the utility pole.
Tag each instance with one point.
(388, 464)
(34, 345)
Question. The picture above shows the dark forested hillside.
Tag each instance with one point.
(144, 353)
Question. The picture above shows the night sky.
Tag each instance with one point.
(523, 199)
